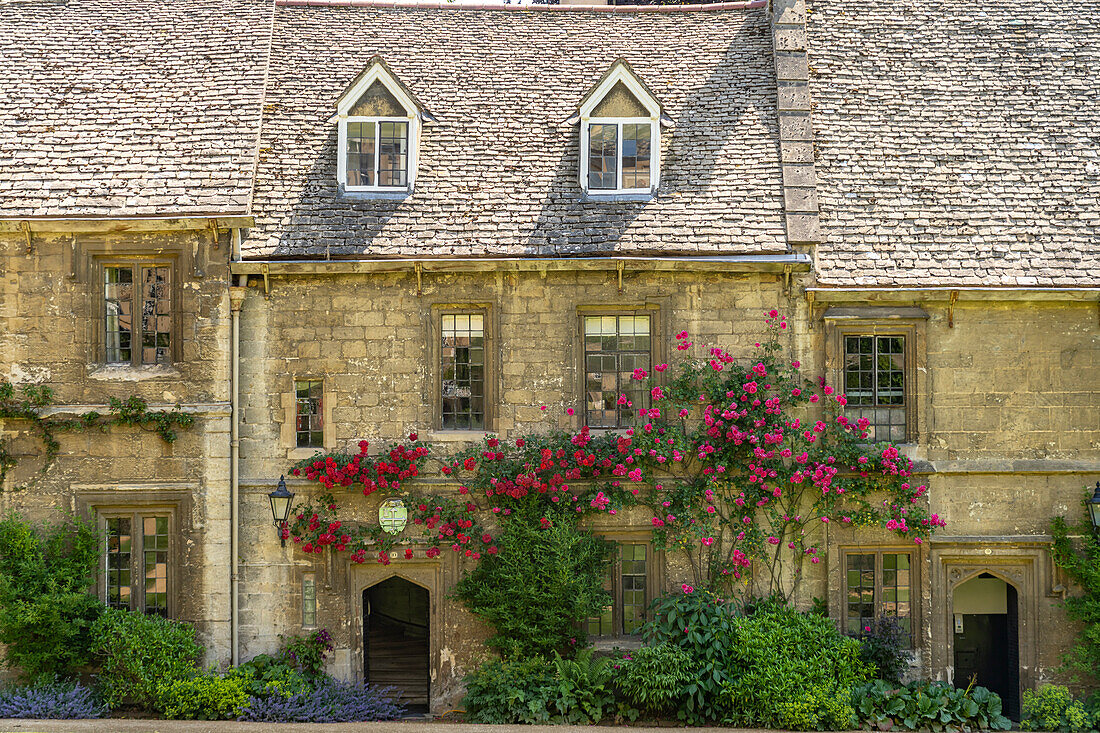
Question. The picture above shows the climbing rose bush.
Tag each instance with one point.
(740, 461)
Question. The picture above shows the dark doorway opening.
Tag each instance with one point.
(395, 632)
(987, 639)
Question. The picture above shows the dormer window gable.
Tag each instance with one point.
(620, 136)
(379, 125)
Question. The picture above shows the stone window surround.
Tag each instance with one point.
(908, 322)
(101, 254)
(287, 435)
(655, 579)
(915, 587)
(377, 72)
(95, 504)
(620, 72)
(492, 367)
(657, 353)
(303, 576)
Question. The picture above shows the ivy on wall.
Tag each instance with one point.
(31, 401)
(1076, 549)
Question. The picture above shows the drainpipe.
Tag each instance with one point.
(236, 300)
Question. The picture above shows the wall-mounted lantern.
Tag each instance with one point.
(281, 500)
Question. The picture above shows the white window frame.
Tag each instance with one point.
(377, 72)
(620, 73)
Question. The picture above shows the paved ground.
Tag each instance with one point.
(180, 726)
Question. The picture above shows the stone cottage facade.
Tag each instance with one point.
(320, 200)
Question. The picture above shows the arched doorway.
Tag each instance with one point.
(396, 634)
(987, 638)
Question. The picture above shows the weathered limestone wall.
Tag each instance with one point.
(49, 324)
(369, 337)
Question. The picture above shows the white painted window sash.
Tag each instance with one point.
(619, 122)
(410, 152)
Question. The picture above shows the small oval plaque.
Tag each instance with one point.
(392, 516)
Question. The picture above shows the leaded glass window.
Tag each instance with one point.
(154, 548)
(874, 382)
(117, 560)
(361, 139)
(627, 587)
(150, 326)
(636, 155)
(614, 346)
(462, 383)
(878, 584)
(137, 562)
(309, 413)
(309, 600)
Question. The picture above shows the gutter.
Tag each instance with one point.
(109, 225)
(950, 294)
(797, 262)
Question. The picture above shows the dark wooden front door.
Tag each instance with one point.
(988, 651)
(395, 623)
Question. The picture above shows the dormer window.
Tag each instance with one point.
(620, 136)
(379, 125)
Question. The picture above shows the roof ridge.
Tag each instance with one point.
(436, 5)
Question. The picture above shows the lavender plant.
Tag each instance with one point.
(332, 701)
(54, 700)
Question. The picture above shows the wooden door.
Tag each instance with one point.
(396, 633)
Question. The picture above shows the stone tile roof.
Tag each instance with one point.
(129, 107)
(498, 170)
(958, 142)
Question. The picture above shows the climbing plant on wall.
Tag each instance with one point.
(30, 403)
(738, 462)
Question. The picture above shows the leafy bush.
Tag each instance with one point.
(584, 688)
(265, 675)
(700, 623)
(927, 705)
(883, 644)
(139, 652)
(654, 679)
(511, 691)
(307, 653)
(791, 670)
(331, 701)
(540, 583)
(50, 699)
(1052, 707)
(46, 612)
(202, 697)
(1079, 557)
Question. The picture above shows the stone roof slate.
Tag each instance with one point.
(958, 142)
(129, 107)
(498, 170)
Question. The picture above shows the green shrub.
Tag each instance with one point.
(1076, 549)
(533, 591)
(205, 696)
(511, 691)
(584, 688)
(1052, 707)
(265, 675)
(653, 679)
(306, 654)
(46, 612)
(139, 652)
(700, 623)
(927, 706)
(791, 670)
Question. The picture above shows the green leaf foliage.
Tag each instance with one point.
(205, 696)
(584, 688)
(933, 706)
(791, 670)
(138, 653)
(46, 612)
(536, 588)
(654, 679)
(1079, 557)
(1053, 708)
(511, 691)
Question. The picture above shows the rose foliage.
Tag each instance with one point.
(738, 462)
